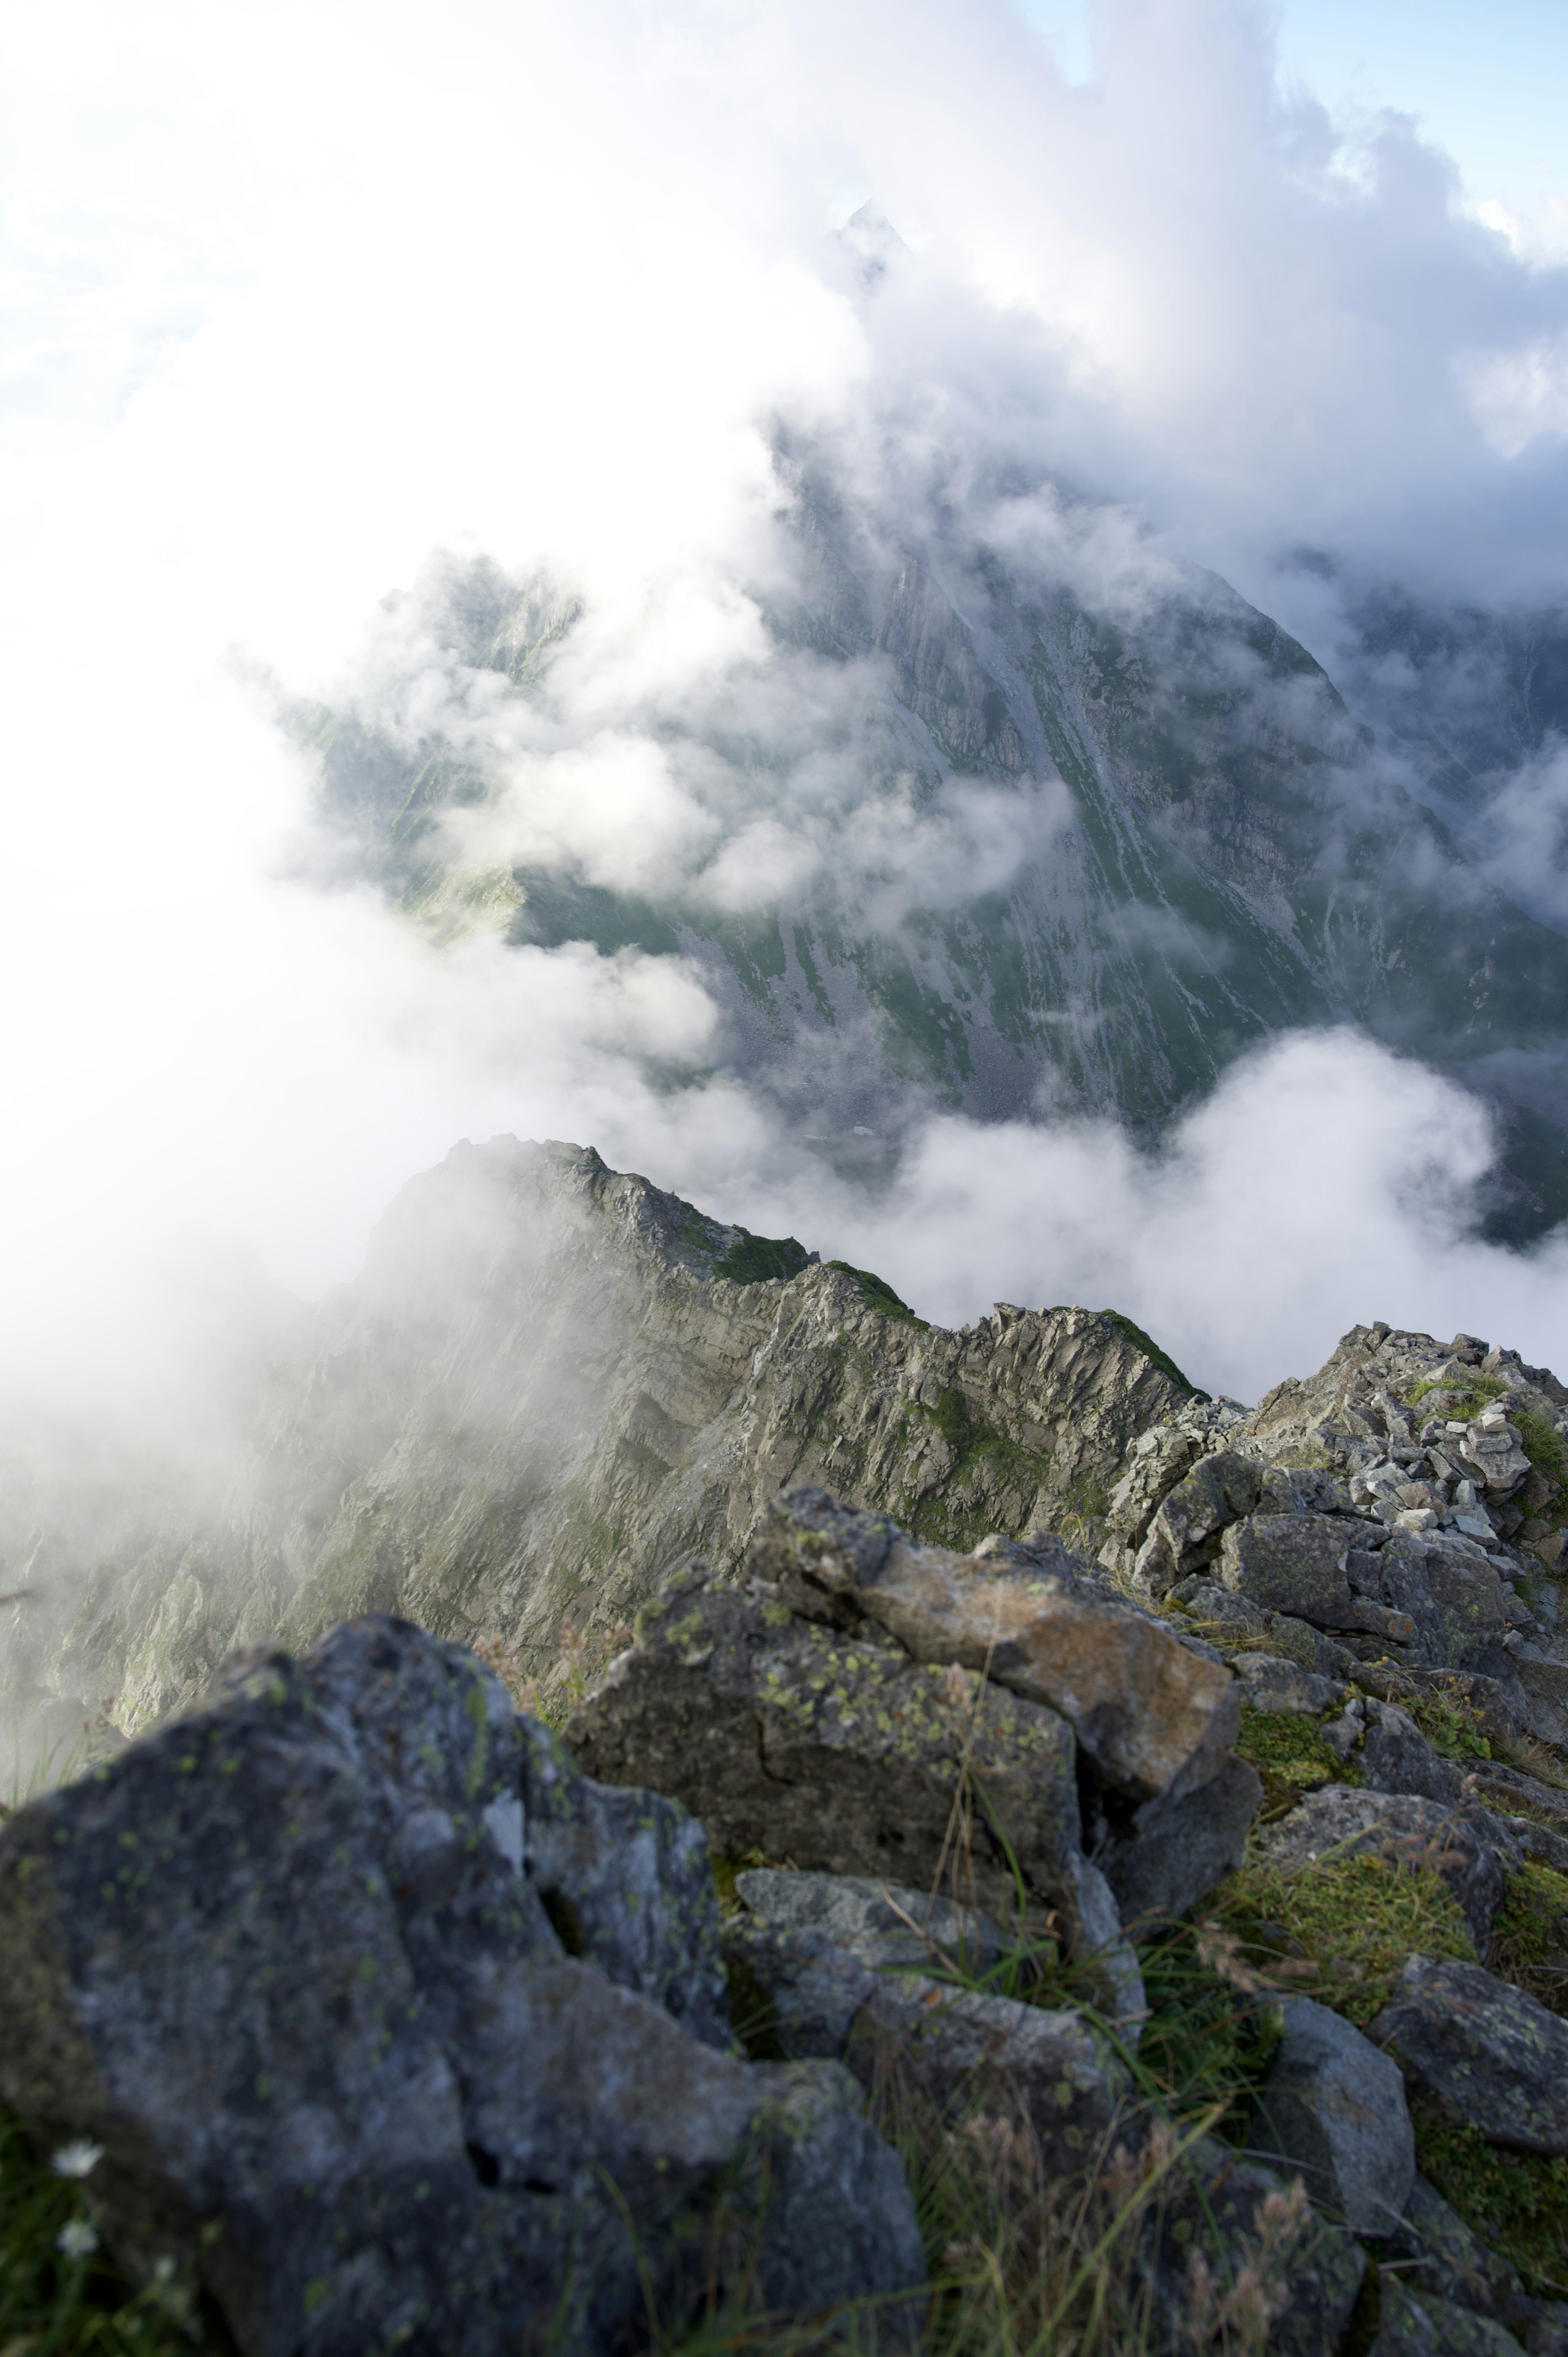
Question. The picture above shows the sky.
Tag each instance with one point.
(1487, 84)
(294, 296)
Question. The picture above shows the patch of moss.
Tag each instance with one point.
(1459, 1406)
(1288, 1752)
(1529, 1935)
(1341, 1928)
(752, 1260)
(1517, 2202)
(1450, 1722)
(880, 1296)
(1152, 1350)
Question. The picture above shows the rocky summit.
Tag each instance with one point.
(1047, 1855)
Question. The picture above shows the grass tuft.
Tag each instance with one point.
(1341, 1928)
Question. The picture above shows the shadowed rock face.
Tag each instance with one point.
(292, 1961)
(548, 1386)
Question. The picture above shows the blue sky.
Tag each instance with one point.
(1491, 82)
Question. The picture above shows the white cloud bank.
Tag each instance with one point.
(300, 294)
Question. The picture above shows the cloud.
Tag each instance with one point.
(310, 292)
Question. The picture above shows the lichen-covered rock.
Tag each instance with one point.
(1436, 2251)
(967, 2050)
(1390, 1753)
(883, 1923)
(1473, 1850)
(1418, 2324)
(838, 1751)
(1294, 1564)
(1221, 2205)
(286, 1962)
(1151, 1715)
(1492, 2055)
(1334, 2107)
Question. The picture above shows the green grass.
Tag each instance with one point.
(1517, 2202)
(1288, 1752)
(881, 1297)
(752, 1260)
(1340, 1929)
(1450, 1722)
(1529, 1935)
(55, 2300)
(1152, 1350)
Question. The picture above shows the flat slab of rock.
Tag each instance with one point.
(1333, 2106)
(1152, 1716)
(286, 1962)
(1494, 2057)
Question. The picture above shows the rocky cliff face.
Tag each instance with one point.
(551, 1382)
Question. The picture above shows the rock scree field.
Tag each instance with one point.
(673, 1806)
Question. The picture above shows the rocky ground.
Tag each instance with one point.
(1060, 1863)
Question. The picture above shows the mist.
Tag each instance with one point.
(308, 298)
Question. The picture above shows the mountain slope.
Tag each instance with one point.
(551, 1380)
(1077, 848)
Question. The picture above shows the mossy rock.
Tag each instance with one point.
(1340, 1929)
(1529, 1935)
(1288, 1752)
(1517, 2202)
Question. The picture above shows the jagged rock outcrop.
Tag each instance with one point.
(354, 1968)
(863, 1704)
(551, 1382)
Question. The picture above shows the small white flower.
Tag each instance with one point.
(78, 2160)
(77, 2239)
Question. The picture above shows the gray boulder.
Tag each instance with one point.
(1472, 1849)
(1334, 2107)
(965, 2050)
(1162, 1858)
(1448, 1588)
(1493, 2057)
(1217, 2204)
(1494, 1453)
(1390, 1753)
(286, 1960)
(1417, 2324)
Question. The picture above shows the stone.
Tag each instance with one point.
(883, 1923)
(1494, 1454)
(792, 1738)
(1334, 2107)
(1492, 2055)
(1416, 2324)
(1545, 1685)
(966, 2050)
(1471, 1849)
(1151, 1715)
(1273, 1683)
(1549, 1549)
(1184, 1532)
(1391, 1752)
(1218, 2205)
(1158, 1459)
(1436, 2251)
(286, 1961)
(1162, 1858)
(1451, 1594)
(1294, 1564)
(1211, 1607)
